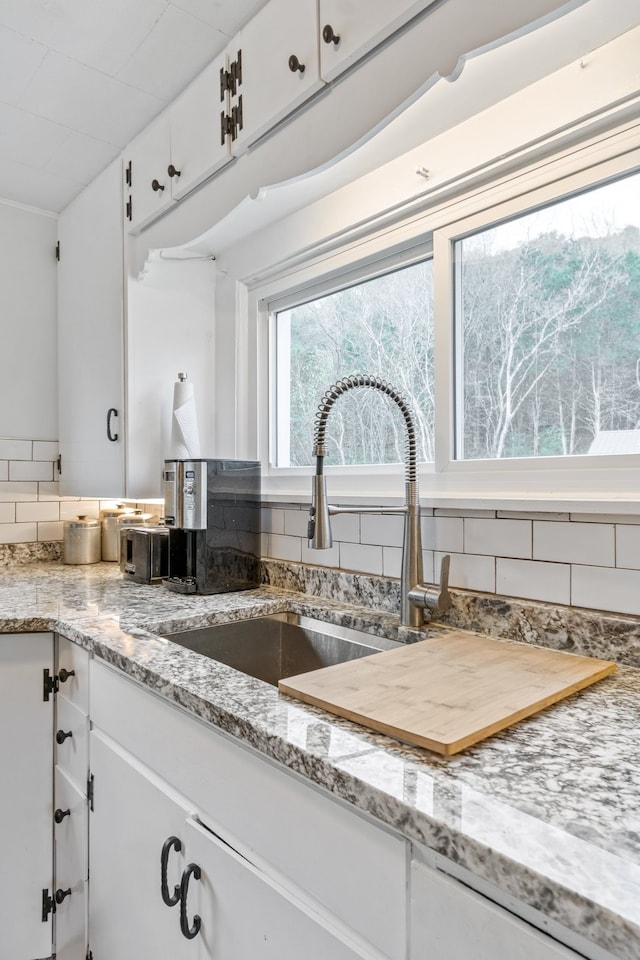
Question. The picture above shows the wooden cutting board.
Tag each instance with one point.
(447, 692)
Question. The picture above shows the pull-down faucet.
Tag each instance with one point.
(415, 595)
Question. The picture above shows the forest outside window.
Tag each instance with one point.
(548, 330)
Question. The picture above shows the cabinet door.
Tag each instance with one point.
(146, 162)
(351, 28)
(26, 721)
(71, 830)
(198, 148)
(90, 315)
(451, 922)
(280, 65)
(131, 820)
(244, 915)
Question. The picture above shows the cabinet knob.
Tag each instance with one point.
(193, 870)
(294, 64)
(329, 36)
(173, 843)
(155, 186)
(171, 170)
(62, 735)
(64, 675)
(59, 815)
(62, 894)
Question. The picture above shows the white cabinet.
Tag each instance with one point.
(162, 884)
(183, 146)
(351, 28)
(71, 833)
(90, 362)
(26, 721)
(451, 922)
(280, 66)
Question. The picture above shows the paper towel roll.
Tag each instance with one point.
(185, 439)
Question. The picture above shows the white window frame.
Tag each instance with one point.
(583, 484)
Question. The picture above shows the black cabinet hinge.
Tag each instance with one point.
(48, 905)
(128, 174)
(49, 684)
(232, 78)
(59, 464)
(231, 123)
(128, 209)
(90, 787)
(89, 955)
(58, 251)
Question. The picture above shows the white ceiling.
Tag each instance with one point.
(80, 78)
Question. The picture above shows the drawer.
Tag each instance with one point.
(71, 868)
(355, 869)
(72, 670)
(72, 753)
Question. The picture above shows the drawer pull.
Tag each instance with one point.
(329, 36)
(62, 735)
(64, 675)
(62, 894)
(193, 870)
(295, 65)
(59, 815)
(168, 898)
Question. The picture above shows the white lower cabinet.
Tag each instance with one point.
(71, 832)
(451, 922)
(163, 884)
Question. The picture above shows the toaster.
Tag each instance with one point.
(144, 554)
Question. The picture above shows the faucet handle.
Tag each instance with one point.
(437, 599)
(444, 597)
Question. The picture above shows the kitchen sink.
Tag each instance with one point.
(280, 645)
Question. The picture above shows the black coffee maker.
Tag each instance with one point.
(212, 510)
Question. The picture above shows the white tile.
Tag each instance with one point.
(346, 526)
(378, 528)
(30, 470)
(48, 532)
(284, 548)
(628, 546)
(591, 543)
(605, 517)
(461, 512)
(497, 538)
(272, 520)
(606, 589)
(361, 557)
(468, 572)
(443, 533)
(427, 565)
(49, 490)
(70, 509)
(4, 470)
(520, 515)
(534, 580)
(18, 490)
(296, 523)
(38, 512)
(45, 449)
(391, 562)
(320, 558)
(18, 532)
(16, 450)
(7, 512)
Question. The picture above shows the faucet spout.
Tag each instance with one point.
(416, 597)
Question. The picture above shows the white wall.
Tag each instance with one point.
(28, 358)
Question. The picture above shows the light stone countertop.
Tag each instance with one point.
(547, 811)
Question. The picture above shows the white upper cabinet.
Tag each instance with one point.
(147, 183)
(90, 318)
(280, 67)
(351, 28)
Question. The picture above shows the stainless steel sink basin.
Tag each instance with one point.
(280, 645)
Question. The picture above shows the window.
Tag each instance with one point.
(382, 327)
(548, 323)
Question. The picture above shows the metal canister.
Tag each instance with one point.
(111, 530)
(81, 540)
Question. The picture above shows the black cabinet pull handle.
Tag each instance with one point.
(155, 186)
(62, 735)
(111, 412)
(64, 675)
(329, 36)
(171, 170)
(61, 894)
(294, 64)
(173, 843)
(60, 814)
(193, 870)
